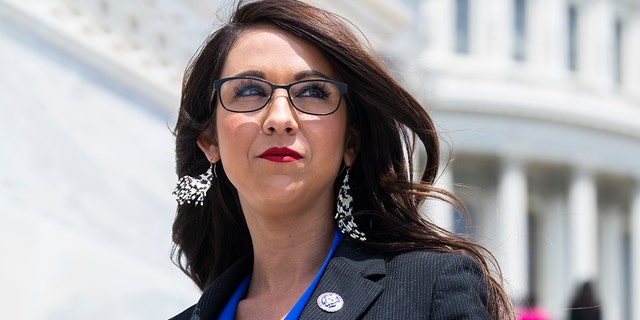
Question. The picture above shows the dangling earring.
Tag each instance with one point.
(346, 224)
(194, 188)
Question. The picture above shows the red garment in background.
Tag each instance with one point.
(532, 313)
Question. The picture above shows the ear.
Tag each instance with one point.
(352, 146)
(209, 145)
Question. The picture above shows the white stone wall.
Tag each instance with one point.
(86, 175)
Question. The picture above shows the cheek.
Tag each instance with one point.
(330, 137)
(235, 134)
(335, 139)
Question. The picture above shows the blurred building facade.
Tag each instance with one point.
(538, 102)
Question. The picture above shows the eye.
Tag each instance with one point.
(248, 88)
(317, 90)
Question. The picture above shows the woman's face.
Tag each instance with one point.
(313, 146)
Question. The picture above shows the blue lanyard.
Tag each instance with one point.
(299, 306)
(229, 311)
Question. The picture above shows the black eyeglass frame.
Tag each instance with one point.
(343, 87)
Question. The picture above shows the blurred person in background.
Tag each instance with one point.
(585, 304)
(296, 193)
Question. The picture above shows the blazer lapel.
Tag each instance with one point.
(352, 274)
(216, 296)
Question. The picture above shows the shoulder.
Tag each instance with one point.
(454, 284)
(431, 264)
(432, 284)
(427, 258)
(416, 264)
(433, 270)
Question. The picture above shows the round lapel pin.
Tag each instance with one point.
(330, 302)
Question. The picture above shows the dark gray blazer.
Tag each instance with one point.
(412, 285)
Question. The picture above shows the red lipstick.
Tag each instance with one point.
(283, 154)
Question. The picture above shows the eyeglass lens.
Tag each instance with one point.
(318, 97)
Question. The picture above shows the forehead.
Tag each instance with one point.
(274, 52)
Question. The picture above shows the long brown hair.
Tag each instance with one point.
(210, 238)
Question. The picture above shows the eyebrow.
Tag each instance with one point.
(303, 74)
(251, 73)
(298, 76)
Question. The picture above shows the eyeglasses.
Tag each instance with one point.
(319, 97)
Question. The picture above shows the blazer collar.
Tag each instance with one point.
(353, 274)
(216, 296)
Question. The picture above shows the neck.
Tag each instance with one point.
(289, 256)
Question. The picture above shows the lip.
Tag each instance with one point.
(280, 154)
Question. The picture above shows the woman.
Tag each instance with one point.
(296, 197)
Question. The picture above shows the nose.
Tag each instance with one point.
(280, 115)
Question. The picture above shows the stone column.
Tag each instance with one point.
(491, 30)
(437, 27)
(554, 285)
(629, 56)
(502, 29)
(513, 236)
(583, 217)
(480, 27)
(635, 253)
(595, 43)
(612, 258)
(546, 36)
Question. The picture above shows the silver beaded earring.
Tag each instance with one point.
(194, 188)
(346, 224)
